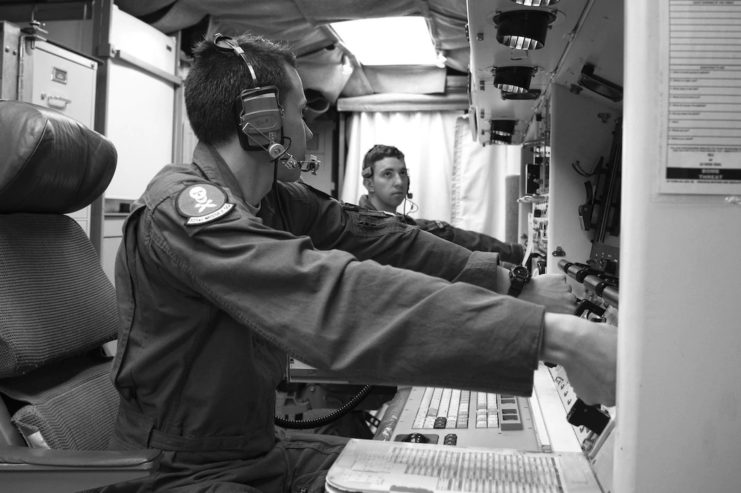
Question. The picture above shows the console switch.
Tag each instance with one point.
(591, 417)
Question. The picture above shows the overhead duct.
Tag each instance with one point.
(523, 29)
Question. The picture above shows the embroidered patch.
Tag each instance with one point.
(202, 203)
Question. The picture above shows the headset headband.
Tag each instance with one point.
(225, 43)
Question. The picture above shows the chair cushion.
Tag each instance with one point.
(49, 161)
(71, 405)
(56, 299)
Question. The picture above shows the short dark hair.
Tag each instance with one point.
(375, 154)
(217, 78)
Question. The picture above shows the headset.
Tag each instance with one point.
(261, 115)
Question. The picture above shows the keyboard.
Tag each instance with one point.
(458, 417)
(452, 409)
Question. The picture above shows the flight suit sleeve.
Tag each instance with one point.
(385, 238)
(478, 242)
(373, 323)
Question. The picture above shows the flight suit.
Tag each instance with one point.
(215, 292)
(477, 242)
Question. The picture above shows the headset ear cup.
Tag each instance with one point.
(261, 116)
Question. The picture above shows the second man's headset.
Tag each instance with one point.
(261, 116)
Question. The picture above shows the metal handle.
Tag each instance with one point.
(57, 102)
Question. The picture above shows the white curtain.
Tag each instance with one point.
(479, 196)
(453, 178)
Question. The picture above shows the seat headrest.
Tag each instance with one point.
(49, 162)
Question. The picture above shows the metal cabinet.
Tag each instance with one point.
(62, 80)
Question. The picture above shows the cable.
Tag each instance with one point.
(412, 208)
(334, 415)
(581, 171)
(349, 405)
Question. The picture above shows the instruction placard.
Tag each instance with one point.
(703, 110)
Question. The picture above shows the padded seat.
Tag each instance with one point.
(58, 309)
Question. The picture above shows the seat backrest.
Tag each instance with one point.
(57, 307)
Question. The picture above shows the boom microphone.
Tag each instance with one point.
(278, 151)
(311, 165)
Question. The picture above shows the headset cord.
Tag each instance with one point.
(349, 405)
(278, 201)
(334, 415)
(413, 207)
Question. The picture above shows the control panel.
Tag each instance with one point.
(593, 425)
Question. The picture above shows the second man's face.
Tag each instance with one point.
(389, 183)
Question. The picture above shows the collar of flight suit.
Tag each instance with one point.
(212, 166)
(365, 202)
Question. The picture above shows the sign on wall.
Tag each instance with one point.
(702, 108)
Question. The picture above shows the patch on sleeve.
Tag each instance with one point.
(202, 203)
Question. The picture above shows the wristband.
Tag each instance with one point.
(518, 277)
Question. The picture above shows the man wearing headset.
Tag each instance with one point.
(228, 264)
(386, 178)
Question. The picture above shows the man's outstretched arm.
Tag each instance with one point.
(587, 351)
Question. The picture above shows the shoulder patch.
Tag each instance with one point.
(202, 203)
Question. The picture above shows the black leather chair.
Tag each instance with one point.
(57, 309)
